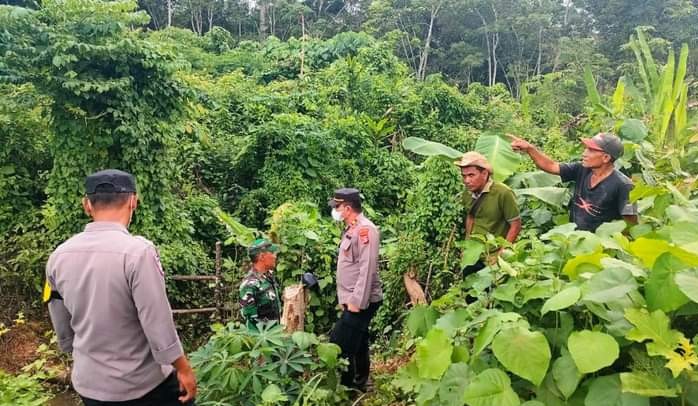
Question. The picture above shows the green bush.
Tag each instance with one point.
(268, 367)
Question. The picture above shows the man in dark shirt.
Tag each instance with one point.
(601, 192)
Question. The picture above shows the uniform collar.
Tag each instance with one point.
(485, 189)
(105, 226)
(358, 220)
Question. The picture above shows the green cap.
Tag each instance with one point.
(261, 245)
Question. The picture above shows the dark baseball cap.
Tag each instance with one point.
(345, 195)
(607, 143)
(261, 245)
(110, 181)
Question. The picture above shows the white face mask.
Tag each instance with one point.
(337, 216)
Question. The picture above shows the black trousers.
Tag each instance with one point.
(165, 394)
(471, 269)
(351, 334)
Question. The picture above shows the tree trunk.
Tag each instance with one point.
(413, 288)
(489, 47)
(540, 50)
(423, 58)
(295, 303)
(170, 11)
(495, 44)
(263, 23)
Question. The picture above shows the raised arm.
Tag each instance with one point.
(541, 160)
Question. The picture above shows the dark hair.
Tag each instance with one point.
(355, 205)
(103, 200)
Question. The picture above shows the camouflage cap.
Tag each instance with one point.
(261, 245)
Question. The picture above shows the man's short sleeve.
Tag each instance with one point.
(625, 208)
(147, 283)
(508, 205)
(570, 171)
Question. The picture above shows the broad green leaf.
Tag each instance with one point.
(633, 130)
(471, 251)
(453, 384)
(653, 326)
(490, 329)
(492, 387)
(682, 231)
(644, 384)
(507, 291)
(590, 83)
(430, 148)
(498, 151)
(687, 281)
(583, 263)
(608, 285)
(648, 250)
(606, 391)
(533, 180)
(562, 300)
(539, 290)
(273, 395)
(555, 196)
(421, 319)
(566, 375)
(240, 234)
(610, 228)
(618, 99)
(533, 403)
(548, 393)
(452, 321)
(523, 352)
(434, 354)
(304, 340)
(617, 263)
(680, 71)
(661, 291)
(592, 350)
(427, 391)
(460, 354)
(328, 353)
(407, 377)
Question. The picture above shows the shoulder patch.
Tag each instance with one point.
(363, 235)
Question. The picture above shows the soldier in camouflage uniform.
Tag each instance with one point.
(259, 295)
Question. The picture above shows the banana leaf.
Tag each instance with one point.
(498, 151)
(423, 147)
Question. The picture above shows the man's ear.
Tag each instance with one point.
(134, 201)
(87, 206)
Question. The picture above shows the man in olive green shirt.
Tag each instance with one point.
(491, 205)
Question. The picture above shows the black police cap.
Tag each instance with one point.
(345, 195)
(110, 181)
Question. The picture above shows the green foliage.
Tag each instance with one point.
(22, 389)
(238, 366)
(308, 244)
(558, 318)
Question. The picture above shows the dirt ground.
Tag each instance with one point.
(18, 346)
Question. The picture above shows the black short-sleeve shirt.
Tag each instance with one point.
(607, 201)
